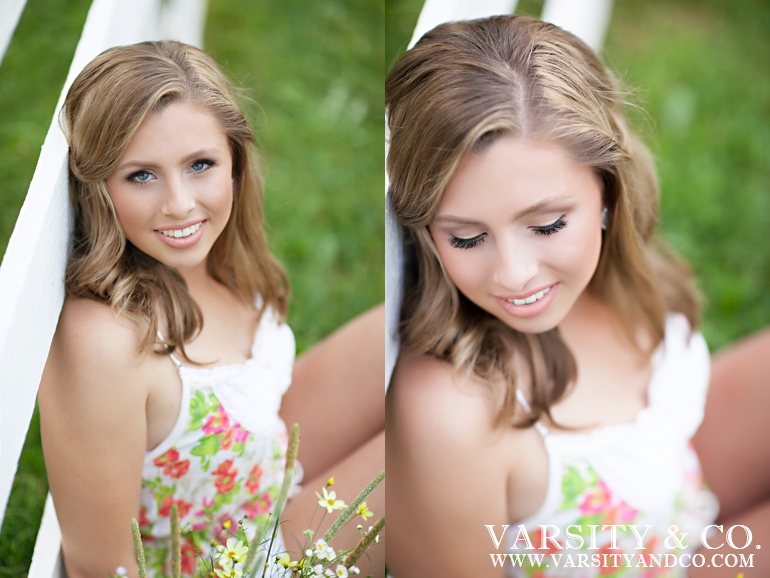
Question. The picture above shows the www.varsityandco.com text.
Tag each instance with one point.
(619, 546)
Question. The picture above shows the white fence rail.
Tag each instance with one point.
(32, 271)
(10, 13)
(587, 19)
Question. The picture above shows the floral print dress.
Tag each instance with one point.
(638, 474)
(224, 458)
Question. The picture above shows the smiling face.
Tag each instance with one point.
(518, 230)
(172, 190)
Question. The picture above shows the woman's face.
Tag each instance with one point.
(518, 230)
(172, 189)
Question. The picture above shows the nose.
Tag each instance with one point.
(178, 199)
(515, 267)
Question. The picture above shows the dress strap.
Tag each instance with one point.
(525, 404)
(171, 355)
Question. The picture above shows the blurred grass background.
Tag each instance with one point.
(314, 73)
(701, 71)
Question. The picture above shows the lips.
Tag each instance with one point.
(182, 236)
(180, 233)
(531, 304)
(531, 298)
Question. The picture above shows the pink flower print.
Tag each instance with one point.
(227, 439)
(255, 476)
(200, 525)
(169, 457)
(182, 506)
(217, 422)
(241, 435)
(619, 513)
(258, 506)
(597, 500)
(227, 526)
(225, 474)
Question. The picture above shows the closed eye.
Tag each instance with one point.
(554, 227)
(459, 243)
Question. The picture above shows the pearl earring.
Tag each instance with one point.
(604, 219)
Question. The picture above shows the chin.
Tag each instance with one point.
(544, 322)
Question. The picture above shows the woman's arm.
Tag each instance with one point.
(337, 397)
(92, 418)
(338, 392)
(732, 447)
(732, 440)
(447, 474)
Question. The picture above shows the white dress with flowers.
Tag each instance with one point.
(225, 457)
(643, 473)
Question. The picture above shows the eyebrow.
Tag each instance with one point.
(549, 203)
(151, 165)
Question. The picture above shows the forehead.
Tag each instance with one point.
(178, 127)
(514, 173)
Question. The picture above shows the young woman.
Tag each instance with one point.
(552, 376)
(168, 367)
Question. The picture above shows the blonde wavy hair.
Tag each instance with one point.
(465, 84)
(104, 108)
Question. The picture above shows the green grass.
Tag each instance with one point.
(314, 72)
(700, 71)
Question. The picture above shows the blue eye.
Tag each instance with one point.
(459, 243)
(201, 165)
(140, 177)
(554, 227)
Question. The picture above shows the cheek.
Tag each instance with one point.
(465, 269)
(579, 252)
(131, 214)
(220, 198)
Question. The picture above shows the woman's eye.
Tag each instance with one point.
(554, 227)
(459, 243)
(201, 165)
(140, 177)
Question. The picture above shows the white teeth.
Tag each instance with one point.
(531, 299)
(179, 233)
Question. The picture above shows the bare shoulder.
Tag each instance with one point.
(431, 401)
(88, 324)
(449, 468)
(92, 345)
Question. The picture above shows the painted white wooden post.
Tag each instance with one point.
(10, 13)
(32, 271)
(587, 19)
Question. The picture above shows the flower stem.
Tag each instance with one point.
(288, 478)
(176, 546)
(138, 550)
(352, 507)
(365, 543)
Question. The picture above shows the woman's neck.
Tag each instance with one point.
(196, 277)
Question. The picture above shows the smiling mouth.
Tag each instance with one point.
(181, 233)
(531, 299)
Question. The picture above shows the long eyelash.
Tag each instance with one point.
(208, 162)
(131, 177)
(554, 227)
(459, 243)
